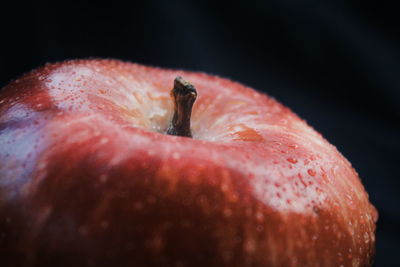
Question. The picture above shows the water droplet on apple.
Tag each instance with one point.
(277, 143)
(234, 197)
(316, 210)
(224, 187)
(227, 212)
(311, 172)
(292, 160)
(138, 205)
(250, 245)
(259, 216)
(103, 178)
(104, 140)
(366, 238)
(41, 166)
(176, 155)
(202, 200)
(334, 170)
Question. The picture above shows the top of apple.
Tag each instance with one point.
(101, 116)
(141, 95)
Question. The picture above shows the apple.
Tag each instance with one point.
(100, 165)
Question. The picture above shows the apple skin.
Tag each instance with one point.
(88, 179)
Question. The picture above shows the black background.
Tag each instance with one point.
(335, 63)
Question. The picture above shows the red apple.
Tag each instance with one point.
(89, 177)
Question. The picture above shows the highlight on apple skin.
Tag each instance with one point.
(90, 177)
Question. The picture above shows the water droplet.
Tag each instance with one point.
(292, 160)
(138, 205)
(176, 155)
(334, 170)
(234, 197)
(311, 172)
(316, 210)
(259, 216)
(104, 140)
(250, 245)
(224, 187)
(366, 238)
(103, 178)
(227, 212)
(203, 199)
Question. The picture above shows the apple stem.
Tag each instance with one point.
(184, 94)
